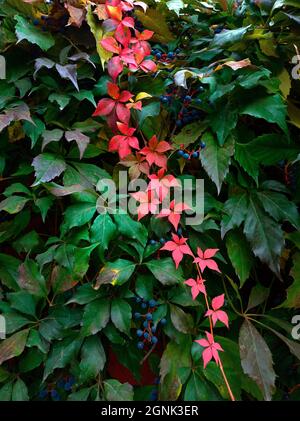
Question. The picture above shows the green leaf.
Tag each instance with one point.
(223, 122)
(31, 279)
(270, 108)
(149, 110)
(198, 389)
(182, 321)
(116, 391)
(13, 204)
(239, 252)
(293, 291)
(259, 149)
(189, 134)
(47, 166)
(256, 359)
(216, 159)
(95, 317)
(279, 207)
(27, 31)
(6, 392)
(9, 270)
(103, 231)
(131, 229)
(235, 210)
(165, 271)
(23, 302)
(246, 160)
(115, 273)
(78, 215)
(176, 358)
(175, 5)
(33, 131)
(264, 235)
(92, 358)
(19, 391)
(62, 354)
(13, 346)
(97, 31)
(258, 295)
(228, 37)
(121, 315)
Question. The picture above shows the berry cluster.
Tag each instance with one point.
(165, 57)
(54, 390)
(185, 154)
(147, 331)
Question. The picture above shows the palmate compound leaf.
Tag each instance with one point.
(256, 359)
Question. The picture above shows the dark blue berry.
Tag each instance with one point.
(179, 231)
(218, 30)
(138, 300)
(149, 316)
(68, 387)
(195, 154)
(152, 242)
(145, 324)
(137, 315)
(54, 393)
(154, 340)
(163, 321)
(43, 394)
(35, 22)
(162, 241)
(187, 98)
(158, 56)
(202, 145)
(186, 155)
(139, 333)
(146, 335)
(171, 55)
(164, 99)
(154, 395)
(144, 305)
(153, 329)
(177, 51)
(180, 152)
(178, 123)
(152, 303)
(140, 345)
(198, 101)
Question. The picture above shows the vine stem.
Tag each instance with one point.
(219, 363)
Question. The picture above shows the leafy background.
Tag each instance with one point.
(69, 276)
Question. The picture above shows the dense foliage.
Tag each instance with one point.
(108, 306)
